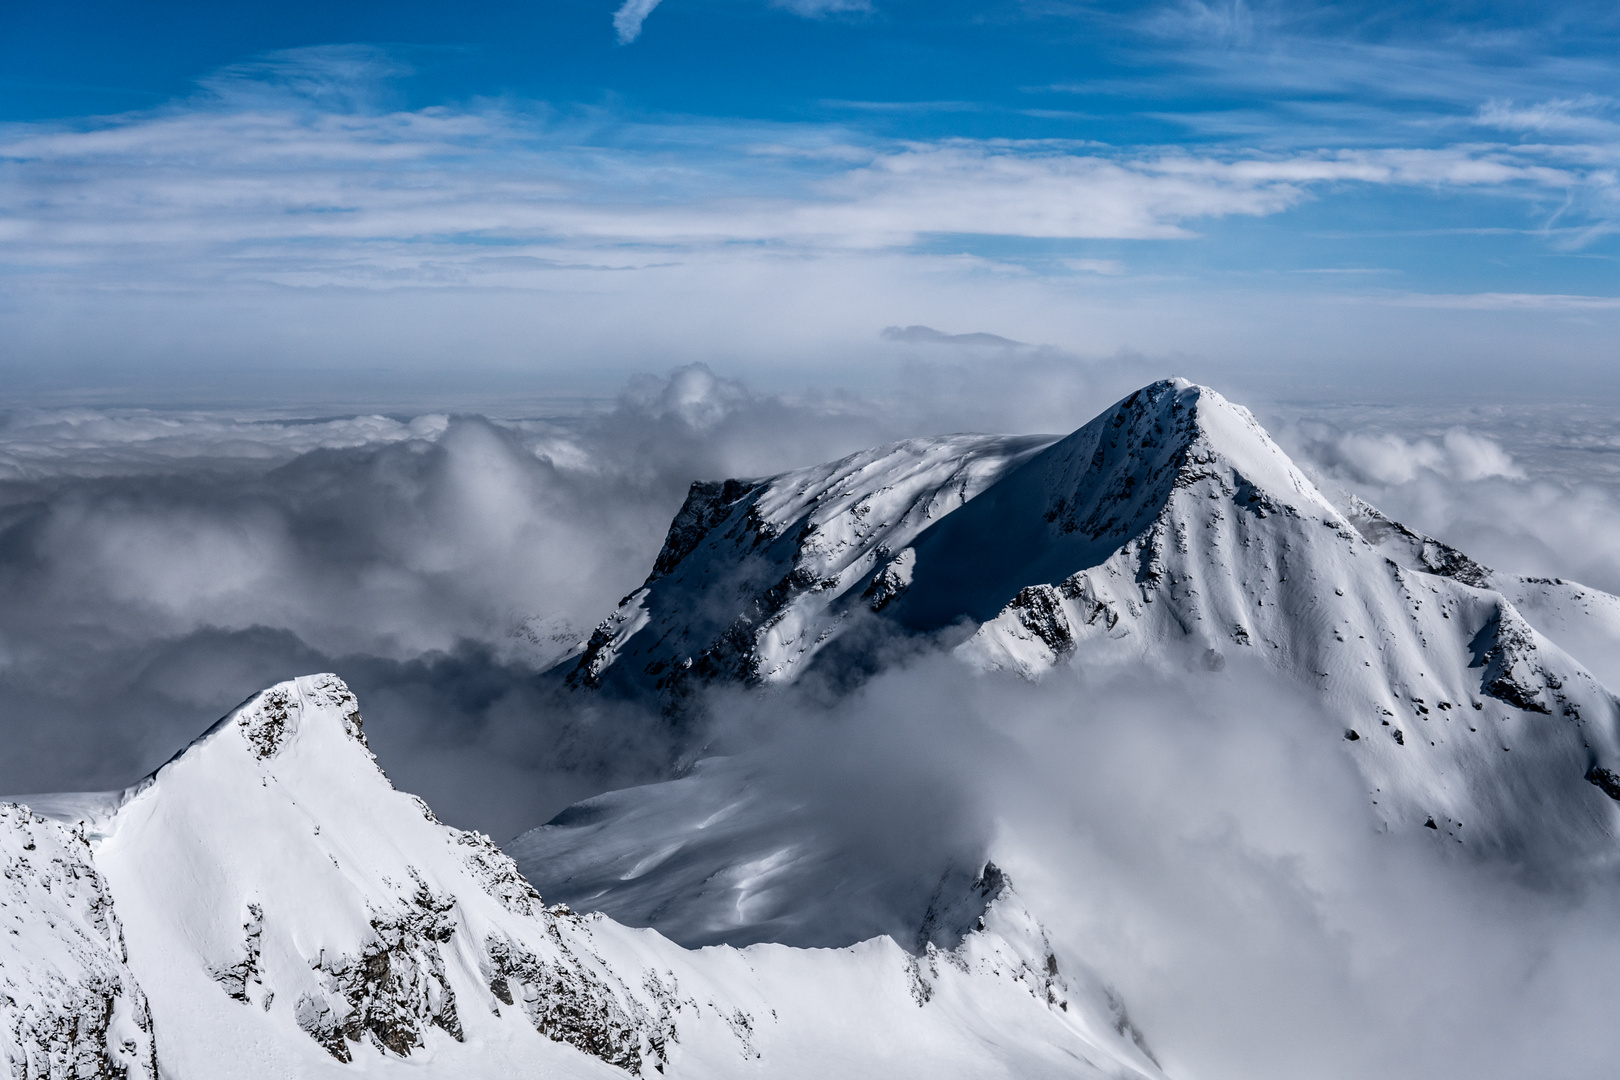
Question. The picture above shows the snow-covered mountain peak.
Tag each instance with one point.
(286, 912)
(1137, 474)
(312, 714)
(1169, 526)
(754, 572)
(1170, 432)
(271, 719)
(757, 577)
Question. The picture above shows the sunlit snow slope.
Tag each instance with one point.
(287, 913)
(757, 575)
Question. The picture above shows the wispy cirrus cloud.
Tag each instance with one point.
(1587, 115)
(290, 201)
(279, 174)
(631, 14)
(1495, 301)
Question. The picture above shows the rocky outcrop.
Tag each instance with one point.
(389, 992)
(1411, 548)
(1505, 650)
(756, 576)
(69, 1003)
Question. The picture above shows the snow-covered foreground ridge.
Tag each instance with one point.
(267, 905)
(1169, 526)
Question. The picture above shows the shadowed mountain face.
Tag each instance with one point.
(1080, 500)
(757, 576)
(1169, 530)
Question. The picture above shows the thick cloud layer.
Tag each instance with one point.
(1529, 490)
(155, 568)
(1199, 838)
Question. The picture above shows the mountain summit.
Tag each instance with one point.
(929, 533)
(1171, 528)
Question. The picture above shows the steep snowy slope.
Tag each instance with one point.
(288, 913)
(749, 580)
(69, 1004)
(1174, 520)
(1583, 620)
(1172, 525)
(732, 853)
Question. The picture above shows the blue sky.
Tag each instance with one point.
(572, 191)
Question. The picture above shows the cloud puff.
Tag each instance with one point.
(1530, 491)
(1390, 459)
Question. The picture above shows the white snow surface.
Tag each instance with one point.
(276, 908)
(287, 913)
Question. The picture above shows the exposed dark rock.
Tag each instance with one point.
(1606, 780)
(267, 721)
(958, 906)
(393, 989)
(708, 503)
(568, 1003)
(237, 977)
(1040, 611)
(72, 1008)
(1505, 649)
(1426, 552)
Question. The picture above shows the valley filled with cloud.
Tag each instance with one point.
(609, 396)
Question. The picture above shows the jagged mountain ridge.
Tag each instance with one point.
(1169, 524)
(288, 913)
(1583, 620)
(778, 561)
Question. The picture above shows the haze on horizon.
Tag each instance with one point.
(353, 204)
